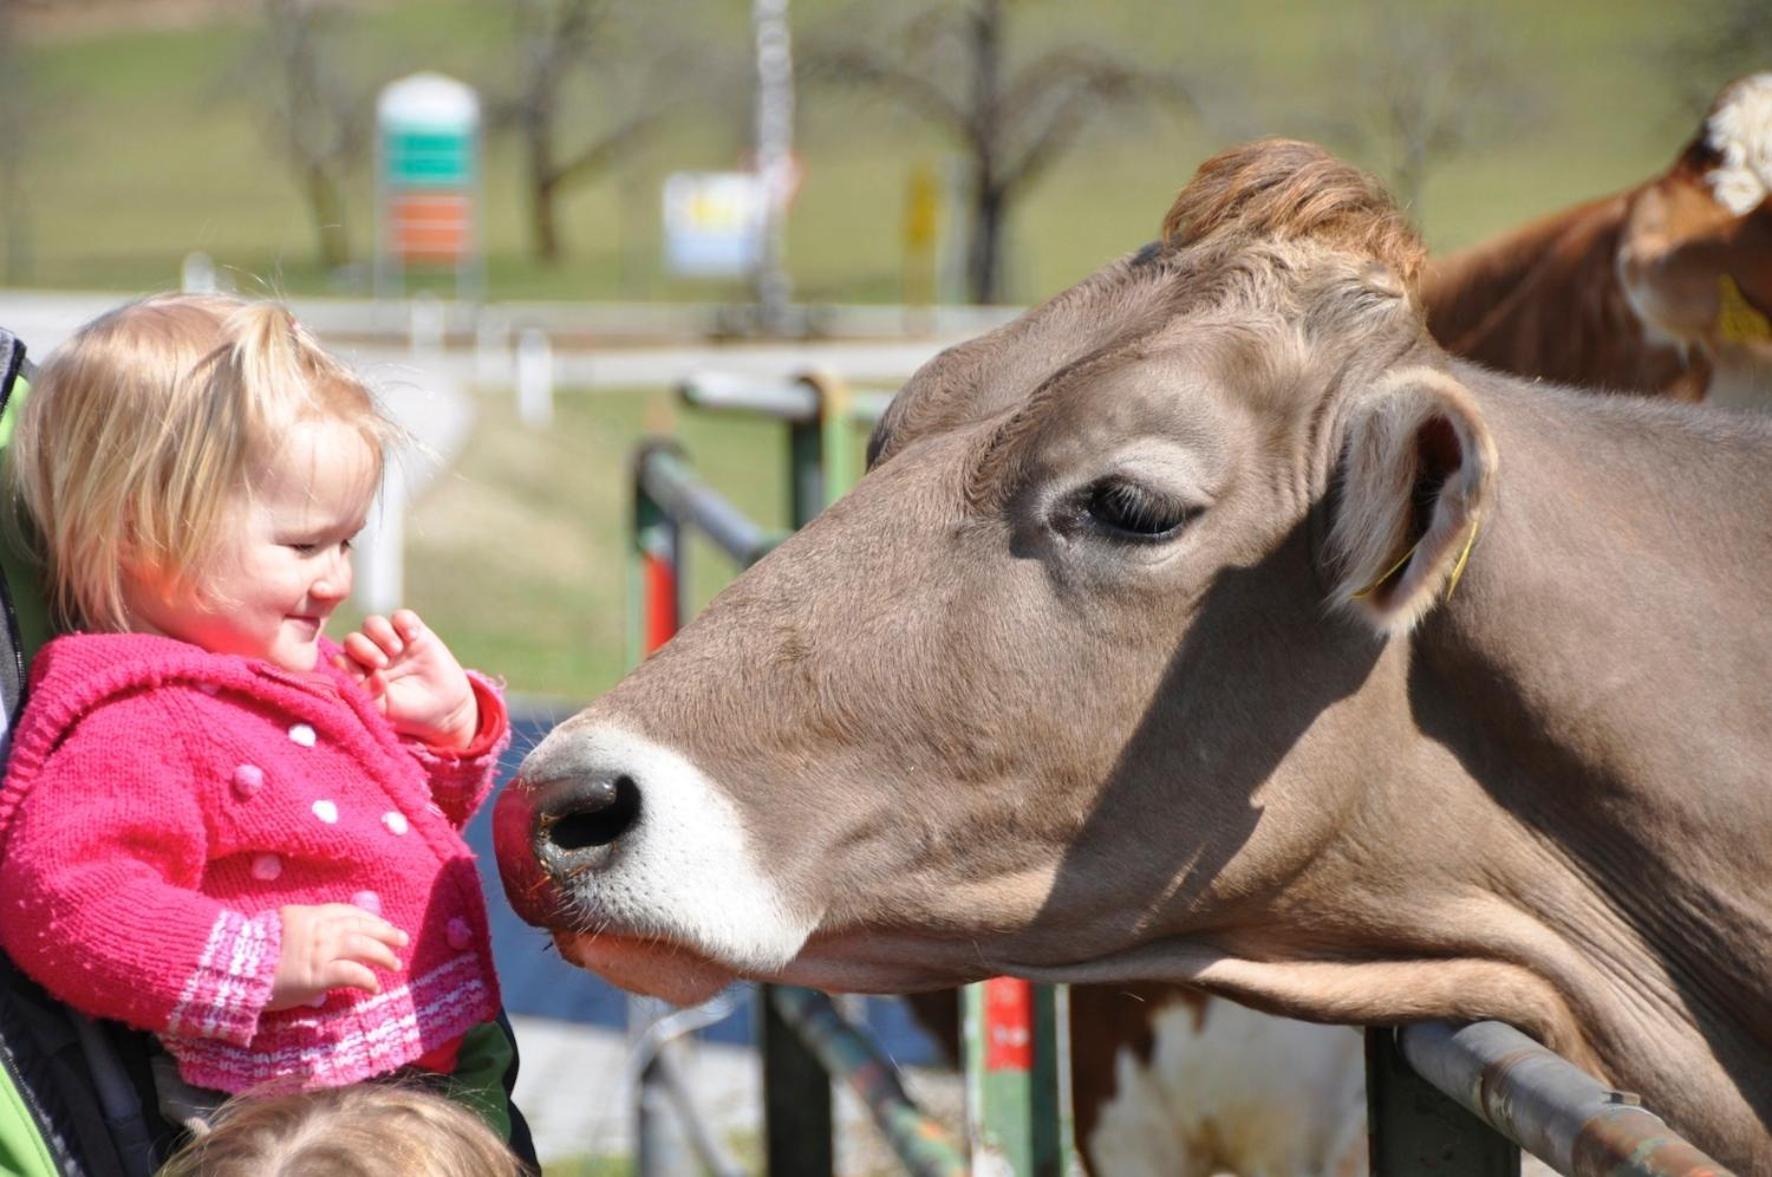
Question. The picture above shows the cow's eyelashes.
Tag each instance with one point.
(1129, 511)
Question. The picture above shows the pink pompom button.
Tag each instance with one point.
(368, 900)
(267, 868)
(395, 821)
(248, 779)
(459, 934)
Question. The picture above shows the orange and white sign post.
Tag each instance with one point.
(428, 183)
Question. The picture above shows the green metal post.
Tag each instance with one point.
(656, 581)
(836, 418)
(807, 477)
(796, 1090)
(1017, 1085)
(1413, 1129)
(923, 1146)
(797, 1135)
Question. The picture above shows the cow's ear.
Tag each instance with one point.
(1416, 480)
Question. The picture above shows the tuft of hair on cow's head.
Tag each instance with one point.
(1416, 482)
(1289, 190)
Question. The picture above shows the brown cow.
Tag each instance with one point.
(1659, 289)
(1209, 623)
(1663, 288)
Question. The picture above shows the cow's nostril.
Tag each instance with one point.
(597, 816)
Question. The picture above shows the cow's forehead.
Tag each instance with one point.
(1000, 370)
(1248, 325)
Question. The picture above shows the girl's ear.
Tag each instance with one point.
(1417, 478)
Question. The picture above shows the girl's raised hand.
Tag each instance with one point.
(413, 678)
(331, 946)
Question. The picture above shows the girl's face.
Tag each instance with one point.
(285, 560)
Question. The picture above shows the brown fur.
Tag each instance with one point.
(1620, 293)
(1287, 190)
(1014, 740)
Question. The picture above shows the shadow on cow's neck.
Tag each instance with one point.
(1702, 949)
(1259, 667)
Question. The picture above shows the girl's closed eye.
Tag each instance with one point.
(310, 547)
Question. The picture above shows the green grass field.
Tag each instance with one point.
(518, 555)
(148, 143)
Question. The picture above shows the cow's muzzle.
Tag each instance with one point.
(549, 833)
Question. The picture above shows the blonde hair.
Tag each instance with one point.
(370, 1130)
(142, 434)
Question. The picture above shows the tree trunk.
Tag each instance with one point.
(544, 182)
(984, 268)
(984, 245)
(326, 204)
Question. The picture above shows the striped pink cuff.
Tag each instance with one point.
(232, 984)
(461, 780)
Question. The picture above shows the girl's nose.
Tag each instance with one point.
(334, 584)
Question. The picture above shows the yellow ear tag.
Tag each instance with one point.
(1387, 573)
(1737, 320)
(1451, 582)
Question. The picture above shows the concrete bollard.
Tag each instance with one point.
(535, 378)
(492, 358)
(427, 325)
(381, 549)
(197, 276)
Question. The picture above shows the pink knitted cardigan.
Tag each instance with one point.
(163, 802)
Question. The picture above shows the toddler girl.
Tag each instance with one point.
(217, 825)
(374, 1130)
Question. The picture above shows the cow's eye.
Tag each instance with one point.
(1128, 511)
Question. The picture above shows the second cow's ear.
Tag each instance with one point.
(1416, 480)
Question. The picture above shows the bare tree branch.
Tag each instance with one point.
(560, 42)
(948, 64)
(865, 66)
(1722, 40)
(318, 117)
(1432, 83)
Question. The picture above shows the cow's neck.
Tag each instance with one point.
(1592, 695)
(1546, 301)
(1567, 823)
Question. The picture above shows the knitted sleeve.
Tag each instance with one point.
(461, 779)
(100, 872)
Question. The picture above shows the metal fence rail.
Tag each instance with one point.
(1546, 1104)
(925, 1148)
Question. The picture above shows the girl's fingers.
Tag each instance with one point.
(408, 624)
(366, 949)
(348, 974)
(381, 631)
(348, 917)
(374, 926)
(352, 667)
(364, 652)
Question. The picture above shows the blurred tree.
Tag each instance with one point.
(618, 47)
(15, 143)
(319, 121)
(1719, 41)
(949, 63)
(1431, 82)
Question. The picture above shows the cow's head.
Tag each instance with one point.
(1696, 253)
(1086, 668)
